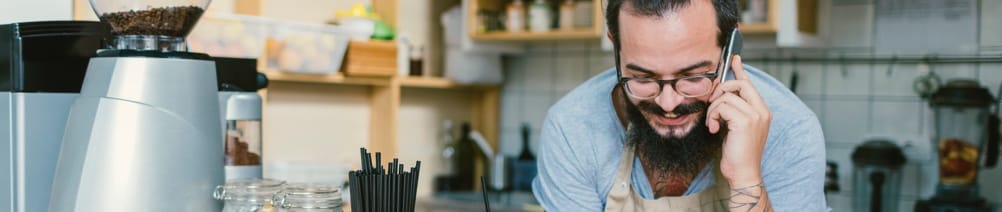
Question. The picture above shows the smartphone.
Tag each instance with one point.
(733, 48)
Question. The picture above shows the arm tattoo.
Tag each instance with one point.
(747, 198)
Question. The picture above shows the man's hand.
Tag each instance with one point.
(738, 104)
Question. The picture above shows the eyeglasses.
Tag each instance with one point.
(690, 86)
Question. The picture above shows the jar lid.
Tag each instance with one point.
(878, 152)
(309, 195)
(961, 93)
(248, 189)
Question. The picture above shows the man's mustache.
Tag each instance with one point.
(682, 109)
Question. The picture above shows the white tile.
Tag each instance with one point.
(840, 203)
(910, 179)
(511, 110)
(511, 141)
(816, 106)
(894, 80)
(599, 62)
(539, 73)
(842, 157)
(534, 108)
(515, 70)
(569, 72)
(848, 79)
(845, 120)
(991, 23)
(896, 117)
(811, 78)
(991, 186)
(948, 72)
(851, 24)
(990, 75)
(906, 205)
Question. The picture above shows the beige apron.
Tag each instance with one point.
(622, 197)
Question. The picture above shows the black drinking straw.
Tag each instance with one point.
(483, 187)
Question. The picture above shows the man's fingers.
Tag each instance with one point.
(738, 68)
(726, 109)
(742, 88)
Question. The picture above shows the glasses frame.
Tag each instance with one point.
(672, 82)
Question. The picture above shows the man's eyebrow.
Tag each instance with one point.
(692, 67)
(640, 69)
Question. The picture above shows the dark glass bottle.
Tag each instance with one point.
(526, 154)
(465, 159)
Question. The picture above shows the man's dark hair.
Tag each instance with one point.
(727, 14)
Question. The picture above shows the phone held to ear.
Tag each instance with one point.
(733, 48)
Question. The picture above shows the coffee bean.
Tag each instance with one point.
(168, 21)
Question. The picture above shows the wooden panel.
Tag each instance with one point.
(387, 9)
(576, 34)
(338, 78)
(248, 7)
(807, 16)
(385, 104)
(485, 119)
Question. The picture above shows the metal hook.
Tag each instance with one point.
(845, 70)
(890, 66)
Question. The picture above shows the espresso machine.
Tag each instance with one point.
(145, 129)
(966, 134)
(42, 66)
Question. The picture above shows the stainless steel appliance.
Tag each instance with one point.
(963, 125)
(42, 66)
(145, 129)
(876, 176)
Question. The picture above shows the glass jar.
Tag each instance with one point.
(243, 136)
(309, 198)
(150, 25)
(248, 195)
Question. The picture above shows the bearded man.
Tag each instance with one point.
(668, 130)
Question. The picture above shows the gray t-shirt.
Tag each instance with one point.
(582, 141)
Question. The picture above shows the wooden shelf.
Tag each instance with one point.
(758, 28)
(338, 78)
(556, 34)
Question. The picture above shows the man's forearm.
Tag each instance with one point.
(749, 198)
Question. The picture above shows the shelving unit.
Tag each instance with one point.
(594, 32)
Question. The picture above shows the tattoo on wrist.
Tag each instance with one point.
(747, 198)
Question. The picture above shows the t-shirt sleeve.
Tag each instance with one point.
(794, 167)
(564, 182)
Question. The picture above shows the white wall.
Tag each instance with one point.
(852, 100)
(35, 10)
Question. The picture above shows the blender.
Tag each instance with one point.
(963, 124)
(144, 133)
(876, 176)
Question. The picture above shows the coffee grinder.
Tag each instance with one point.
(144, 133)
(963, 124)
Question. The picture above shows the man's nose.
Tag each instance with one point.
(668, 99)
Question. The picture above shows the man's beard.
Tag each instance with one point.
(667, 154)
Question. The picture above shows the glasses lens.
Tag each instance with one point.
(643, 88)
(694, 86)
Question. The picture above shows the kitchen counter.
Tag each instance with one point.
(474, 201)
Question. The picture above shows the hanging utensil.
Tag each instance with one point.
(927, 82)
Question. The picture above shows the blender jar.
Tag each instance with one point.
(309, 198)
(145, 25)
(961, 118)
(876, 176)
(248, 195)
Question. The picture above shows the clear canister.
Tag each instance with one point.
(248, 195)
(243, 136)
(309, 198)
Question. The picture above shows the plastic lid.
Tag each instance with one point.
(878, 152)
(961, 93)
(243, 106)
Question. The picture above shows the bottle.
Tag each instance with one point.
(526, 154)
(539, 16)
(525, 168)
(465, 164)
(416, 63)
(448, 147)
(516, 16)
(567, 15)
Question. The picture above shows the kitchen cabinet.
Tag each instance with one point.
(473, 7)
(384, 93)
(787, 23)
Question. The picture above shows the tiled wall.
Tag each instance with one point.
(853, 101)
